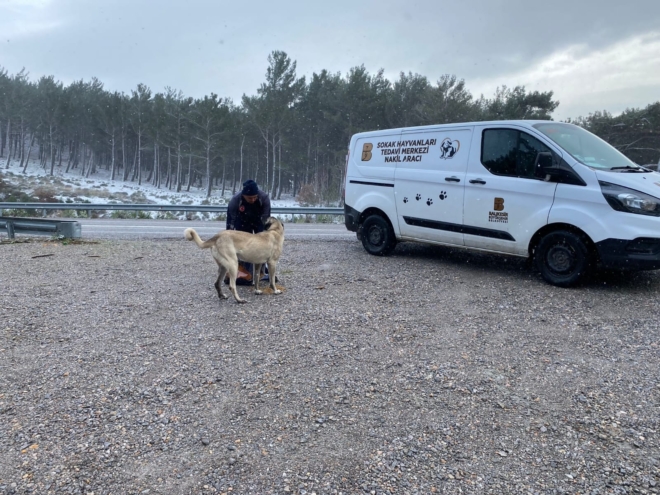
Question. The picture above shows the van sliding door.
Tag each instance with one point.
(430, 182)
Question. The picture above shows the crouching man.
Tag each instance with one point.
(247, 211)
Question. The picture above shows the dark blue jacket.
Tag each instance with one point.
(247, 217)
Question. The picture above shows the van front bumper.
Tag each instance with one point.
(642, 253)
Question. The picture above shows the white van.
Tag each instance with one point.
(540, 189)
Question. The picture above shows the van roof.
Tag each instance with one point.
(522, 123)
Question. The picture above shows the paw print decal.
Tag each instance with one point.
(418, 197)
(443, 195)
(405, 200)
(429, 201)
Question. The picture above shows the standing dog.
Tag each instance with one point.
(229, 246)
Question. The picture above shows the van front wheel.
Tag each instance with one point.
(377, 236)
(562, 258)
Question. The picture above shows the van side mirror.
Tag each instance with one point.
(543, 165)
(550, 167)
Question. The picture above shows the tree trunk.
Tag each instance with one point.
(78, 157)
(8, 143)
(159, 171)
(178, 168)
(21, 145)
(16, 136)
(27, 159)
(309, 159)
(189, 172)
(233, 180)
(154, 172)
(17, 147)
(150, 177)
(123, 156)
(240, 175)
(209, 186)
(135, 158)
(267, 163)
(22, 154)
(112, 158)
(139, 160)
(272, 187)
(279, 173)
(256, 169)
(316, 167)
(72, 151)
(224, 170)
(168, 179)
(83, 158)
(52, 151)
(90, 164)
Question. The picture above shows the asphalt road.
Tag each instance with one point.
(173, 229)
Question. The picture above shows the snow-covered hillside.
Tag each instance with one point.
(72, 187)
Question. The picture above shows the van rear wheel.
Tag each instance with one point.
(562, 258)
(377, 236)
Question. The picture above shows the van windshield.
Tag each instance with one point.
(586, 147)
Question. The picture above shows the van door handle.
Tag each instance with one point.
(477, 181)
(452, 179)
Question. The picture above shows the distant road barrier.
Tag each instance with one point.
(290, 210)
(72, 229)
(38, 226)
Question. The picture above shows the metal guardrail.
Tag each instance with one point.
(72, 229)
(290, 210)
(40, 226)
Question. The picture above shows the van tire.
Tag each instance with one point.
(377, 236)
(562, 258)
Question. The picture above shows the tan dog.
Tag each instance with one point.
(229, 246)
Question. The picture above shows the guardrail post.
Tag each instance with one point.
(10, 229)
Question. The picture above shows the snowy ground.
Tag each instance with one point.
(72, 187)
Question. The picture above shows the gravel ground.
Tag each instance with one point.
(427, 371)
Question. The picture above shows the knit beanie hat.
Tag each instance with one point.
(250, 188)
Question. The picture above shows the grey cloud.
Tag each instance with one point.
(221, 46)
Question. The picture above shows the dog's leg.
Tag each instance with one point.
(272, 267)
(256, 276)
(222, 271)
(233, 273)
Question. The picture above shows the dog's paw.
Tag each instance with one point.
(277, 291)
(258, 292)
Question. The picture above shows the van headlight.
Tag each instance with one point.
(631, 201)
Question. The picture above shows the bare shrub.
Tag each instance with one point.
(45, 194)
(307, 196)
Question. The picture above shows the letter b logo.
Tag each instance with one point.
(499, 204)
(366, 151)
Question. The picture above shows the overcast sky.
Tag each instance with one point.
(594, 54)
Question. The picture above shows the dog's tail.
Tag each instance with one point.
(191, 235)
